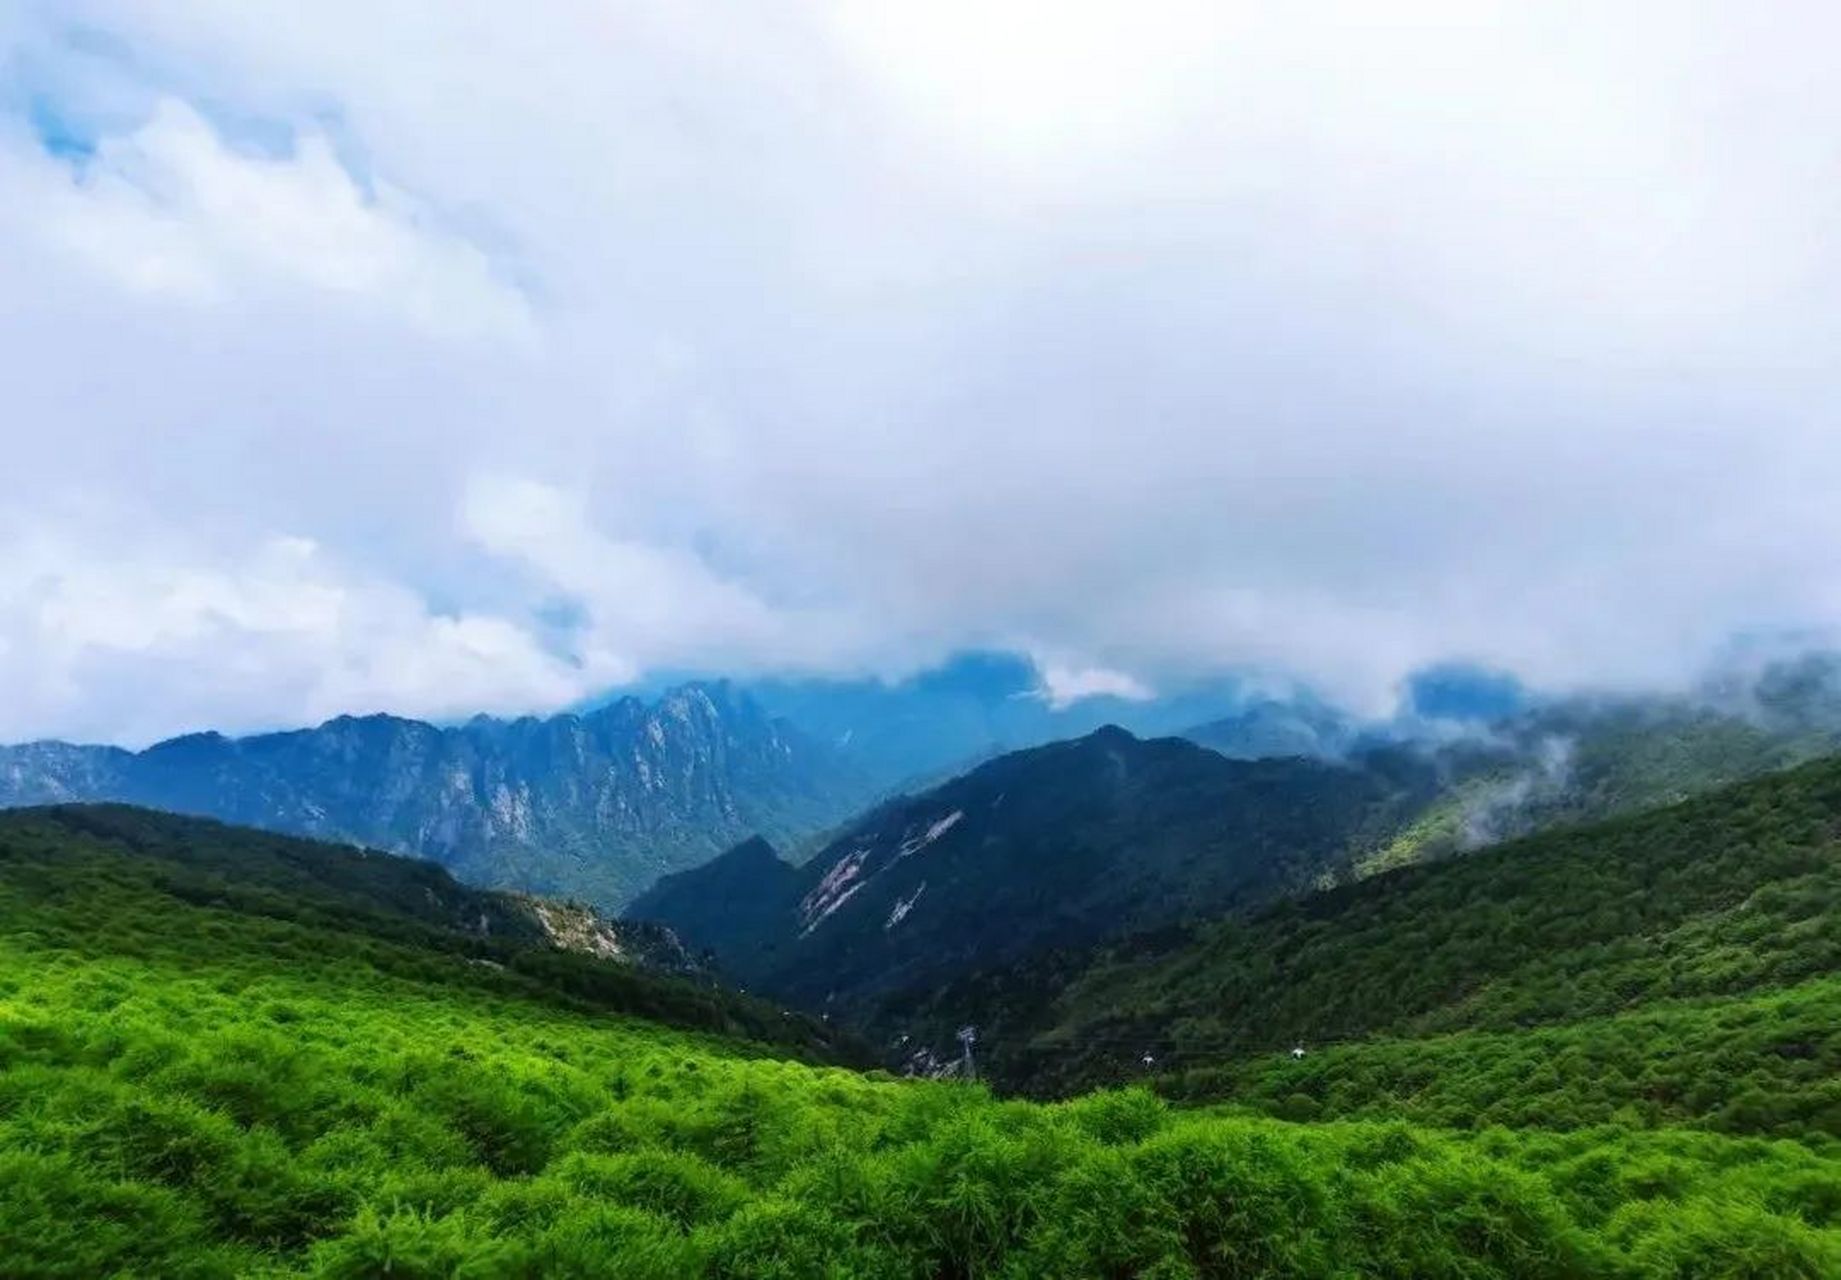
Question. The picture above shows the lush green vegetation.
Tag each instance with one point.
(109, 877)
(248, 1082)
(1669, 967)
(1084, 842)
(1764, 1064)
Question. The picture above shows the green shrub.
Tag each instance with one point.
(670, 1184)
(413, 1115)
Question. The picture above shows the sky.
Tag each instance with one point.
(459, 357)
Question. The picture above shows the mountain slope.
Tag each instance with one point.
(736, 905)
(1057, 845)
(594, 806)
(116, 880)
(216, 1088)
(203, 861)
(1720, 913)
(981, 900)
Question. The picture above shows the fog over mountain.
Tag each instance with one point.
(1159, 342)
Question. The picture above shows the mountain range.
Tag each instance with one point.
(597, 805)
(593, 806)
(226, 1051)
(1026, 864)
(1059, 844)
(928, 726)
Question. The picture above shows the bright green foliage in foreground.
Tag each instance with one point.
(1760, 1065)
(188, 1089)
(222, 1121)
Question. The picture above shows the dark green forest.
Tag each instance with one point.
(1667, 967)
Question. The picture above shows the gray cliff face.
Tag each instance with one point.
(593, 806)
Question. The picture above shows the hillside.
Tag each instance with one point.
(594, 806)
(982, 901)
(1684, 964)
(208, 1079)
(1057, 845)
(122, 881)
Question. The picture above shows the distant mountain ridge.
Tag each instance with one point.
(593, 806)
(1583, 760)
(918, 731)
(599, 804)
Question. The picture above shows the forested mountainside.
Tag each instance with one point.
(1057, 845)
(114, 869)
(203, 860)
(1070, 843)
(594, 806)
(1676, 965)
(1112, 909)
(116, 881)
(216, 1060)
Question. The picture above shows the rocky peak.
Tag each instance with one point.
(595, 805)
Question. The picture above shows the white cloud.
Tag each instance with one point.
(1037, 80)
(130, 646)
(170, 209)
(642, 605)
(1163, 338)
(1063, 686)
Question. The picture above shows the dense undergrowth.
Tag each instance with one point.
(194, 1089)
(219, 1121)
(1759, 1065)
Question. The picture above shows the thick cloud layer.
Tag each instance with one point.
(483, 357)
